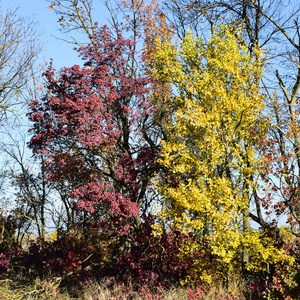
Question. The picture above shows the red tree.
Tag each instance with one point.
(94, 124)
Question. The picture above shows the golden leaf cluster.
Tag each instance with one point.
(210, 147)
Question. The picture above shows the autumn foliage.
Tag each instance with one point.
(211, 145)
(89, 124)
(161, 160)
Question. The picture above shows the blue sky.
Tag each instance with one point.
(61, 52)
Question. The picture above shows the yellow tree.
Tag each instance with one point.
(209, 152)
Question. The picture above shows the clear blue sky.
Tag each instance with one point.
(61, 52)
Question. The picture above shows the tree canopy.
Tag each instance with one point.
(170, 156)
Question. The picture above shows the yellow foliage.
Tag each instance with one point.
(53, 236)
(210, 145)
(286, 233)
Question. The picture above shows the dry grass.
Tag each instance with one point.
(17, 290)
(107, 290)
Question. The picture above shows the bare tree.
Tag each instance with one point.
(19, 52)
(19, 49)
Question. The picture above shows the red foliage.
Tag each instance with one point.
(92, 126)
(151, 261)
(285, 283)
(3, 263)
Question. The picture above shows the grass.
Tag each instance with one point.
(109, 290)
